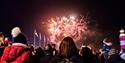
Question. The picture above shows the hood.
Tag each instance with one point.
(15, 51)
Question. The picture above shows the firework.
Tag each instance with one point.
(60, 27)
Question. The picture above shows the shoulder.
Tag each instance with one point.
(14, 50)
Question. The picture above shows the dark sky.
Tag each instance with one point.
(108, 14)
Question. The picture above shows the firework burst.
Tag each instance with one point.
(60, 27)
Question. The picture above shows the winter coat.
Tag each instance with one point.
(17, 53)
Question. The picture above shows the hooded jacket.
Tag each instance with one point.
(17, 53)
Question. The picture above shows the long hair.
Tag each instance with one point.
(67, 48)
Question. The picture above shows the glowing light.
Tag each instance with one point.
(122, 31)
(64, 18)
(72, 17)
(60, 27)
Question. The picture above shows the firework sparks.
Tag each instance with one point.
(60, 27)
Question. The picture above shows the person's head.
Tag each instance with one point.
(15, 31)
(67, 48)
(48, 49)
(30, 47)
(18, 37)
(86, 52)
(39, 52)
(1, 36)
(83, 45)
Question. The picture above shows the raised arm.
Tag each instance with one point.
(107, 43)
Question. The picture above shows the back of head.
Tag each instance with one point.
(86, 53)
(67, 48)
(18, 37)
(48, 49)
(15, 31)
(40, 52)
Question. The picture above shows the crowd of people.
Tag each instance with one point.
(18, 51)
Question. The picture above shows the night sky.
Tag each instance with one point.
(28, 14)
